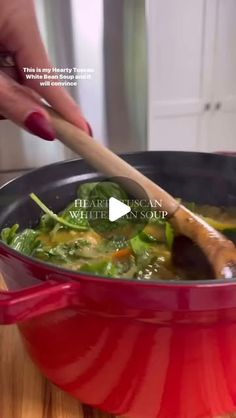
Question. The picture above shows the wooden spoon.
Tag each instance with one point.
(219, 251)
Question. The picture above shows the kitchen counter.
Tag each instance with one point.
(25, 393)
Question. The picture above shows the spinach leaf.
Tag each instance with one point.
(54, 216)
(96, 197)
(75, 215)
(139, 246)
(46, 224)
(85, 190)
(25, 242)
(104, 268)
(101, 191)
(7, 234)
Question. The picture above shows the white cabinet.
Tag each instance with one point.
(175, 67)
(192, 75)
(222, 120)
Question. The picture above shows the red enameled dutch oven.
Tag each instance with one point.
(134, 348)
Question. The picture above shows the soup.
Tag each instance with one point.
(71, 241)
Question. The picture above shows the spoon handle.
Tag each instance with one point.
(106, 162)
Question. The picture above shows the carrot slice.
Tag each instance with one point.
(124, 252)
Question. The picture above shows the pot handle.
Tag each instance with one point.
(32, 302)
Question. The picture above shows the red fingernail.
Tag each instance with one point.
(89, 129)
(39, 125)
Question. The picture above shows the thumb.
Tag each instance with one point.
(22, 107)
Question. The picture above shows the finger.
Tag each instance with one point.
(33, 94)
(22, 108)
(9, 68)
(12, 73)
(31, 52)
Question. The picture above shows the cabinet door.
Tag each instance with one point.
(176, 30)
(222, 120)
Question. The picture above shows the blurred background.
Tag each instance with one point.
(164, 76)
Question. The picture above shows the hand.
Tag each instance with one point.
(19, 35)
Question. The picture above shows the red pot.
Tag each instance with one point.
(134, 348)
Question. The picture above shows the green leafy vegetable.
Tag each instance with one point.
(76, 216)
(56, 218)
(96, 196)
(104, 268)
(47, 223)
(111, 268)
(139, 246)
(8, 234)
(170, 235)
(146, 237)
(25, 242)
(101, 191)
(85, 190)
